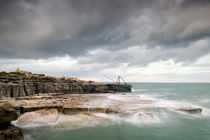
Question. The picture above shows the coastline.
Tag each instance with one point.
(15, 84)
(90, 104)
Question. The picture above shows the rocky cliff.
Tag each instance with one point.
(17, 84)
(119, 88)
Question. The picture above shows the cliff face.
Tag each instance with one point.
(13, 85)
(119, 88)
(16, 84)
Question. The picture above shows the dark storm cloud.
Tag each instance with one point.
(46, 28)
(186, 3)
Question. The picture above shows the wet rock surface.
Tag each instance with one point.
(190, 110)
(119, 88)
(8, 113)
(95, 103)
(72, 111)
(10, 132)
(81, 110)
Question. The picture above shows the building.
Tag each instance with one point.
(28, 74)
(22, 72)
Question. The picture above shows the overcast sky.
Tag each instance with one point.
(141, 40)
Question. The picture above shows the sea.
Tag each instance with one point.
(164, 125)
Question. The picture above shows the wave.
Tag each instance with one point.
(33, 123)
(172, 104)
(204, 101)
(134, 119)
(137, 110)
(155, 103)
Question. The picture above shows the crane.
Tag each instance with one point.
(113, 81)
(118, 80)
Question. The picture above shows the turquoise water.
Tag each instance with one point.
(166, 125)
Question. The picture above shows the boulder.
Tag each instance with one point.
(10, 132)
(7, 112)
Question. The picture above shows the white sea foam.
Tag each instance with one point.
(139, 90)
(126, 98)
(172, 105)
(204, 101)
(205, 112)
(135, 102)
(35, 124)
(135, 119)
(60, 117)
(32, 125)
(132, 102)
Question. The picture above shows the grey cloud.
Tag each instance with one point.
(188, 3)
(171, 26)
(50, 27)
(142, 56)
(46, 28)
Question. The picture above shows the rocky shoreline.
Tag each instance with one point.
(72, 111)
(23, 93)
(8, 113)
(16, 84)
(29, 100)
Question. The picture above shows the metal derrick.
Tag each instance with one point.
(119, 79)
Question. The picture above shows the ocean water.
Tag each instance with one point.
(164, 125)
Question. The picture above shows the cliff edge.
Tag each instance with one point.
(16, 84)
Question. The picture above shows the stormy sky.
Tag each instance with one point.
(142, 40)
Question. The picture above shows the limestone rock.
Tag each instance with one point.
(15, 85)
(119, 88)
(190, 110)
(7, 112)
(10, 132)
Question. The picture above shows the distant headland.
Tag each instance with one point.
(23, 83)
